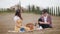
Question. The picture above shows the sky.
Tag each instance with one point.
(25, 3)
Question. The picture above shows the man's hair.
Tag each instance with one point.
(44, 11)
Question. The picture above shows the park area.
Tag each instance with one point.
(7, 23)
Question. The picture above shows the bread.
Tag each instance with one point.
(31, 26)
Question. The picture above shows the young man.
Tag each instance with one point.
(45, 20)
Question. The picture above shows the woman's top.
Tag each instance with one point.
(16, 18)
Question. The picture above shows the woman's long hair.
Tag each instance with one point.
(18, 13)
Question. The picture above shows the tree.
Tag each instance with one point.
(59, 10)
(48, 10)
(33, 8)
(38, 11)
(29, 8)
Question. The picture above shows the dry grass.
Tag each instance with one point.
(7, 23)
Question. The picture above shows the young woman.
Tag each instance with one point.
(18, 20)
(45, 20)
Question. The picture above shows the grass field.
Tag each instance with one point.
(7, 23)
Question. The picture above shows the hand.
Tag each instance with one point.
(47, 23)
(41, 22)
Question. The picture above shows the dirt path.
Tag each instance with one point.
(7, 23)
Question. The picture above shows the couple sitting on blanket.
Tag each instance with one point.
(44, 21)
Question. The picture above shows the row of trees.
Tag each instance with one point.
(33, 9)
(6, 10)
(55, 11)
